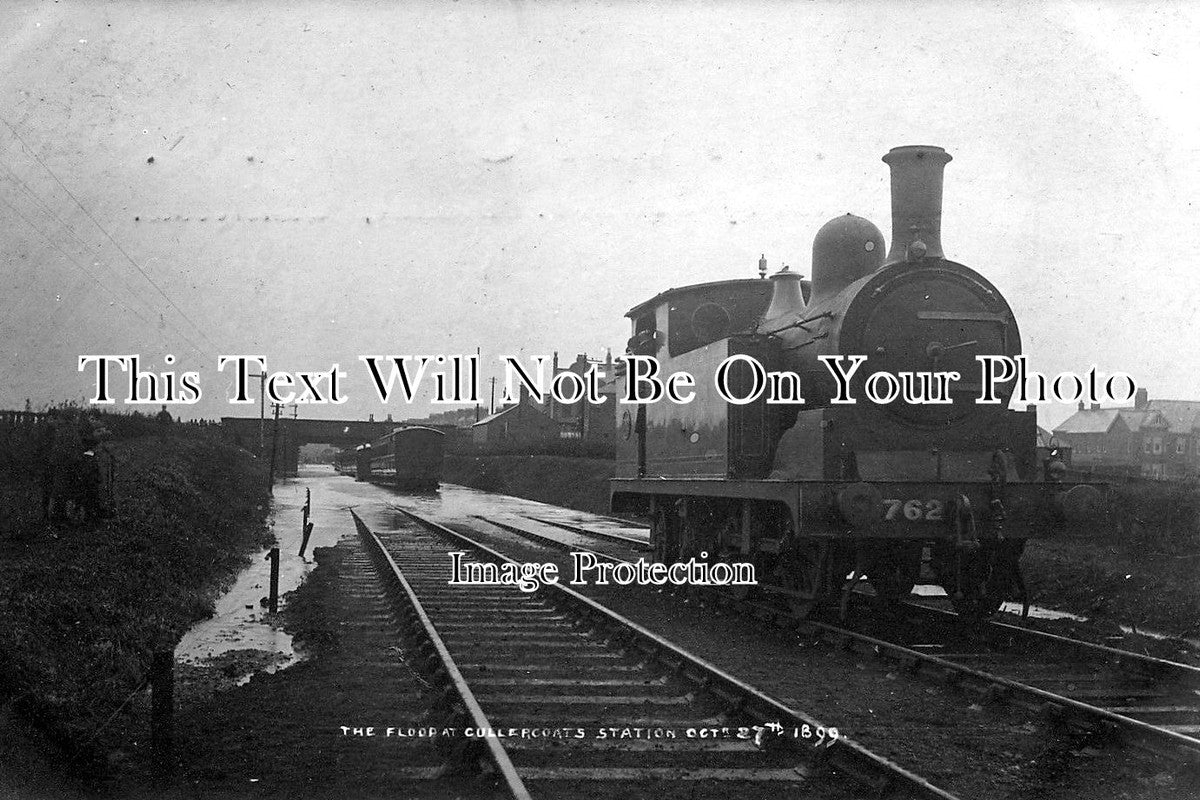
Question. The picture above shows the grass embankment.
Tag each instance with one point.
(1139, 566)
(83, 607)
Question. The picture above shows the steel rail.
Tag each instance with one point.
(1141, 659)
(1066, 641)
(499, 757)
(1156, 739)
(845, 755)
(615, 537)
(546, 540)
(1151, 737)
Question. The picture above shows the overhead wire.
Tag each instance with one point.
(48, 211)
(108, 235)
(75, 262)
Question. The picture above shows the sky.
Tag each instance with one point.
(317, 181)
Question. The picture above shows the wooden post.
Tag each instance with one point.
(274, 439)
(273, 597)
(162, 711)
(308, 527)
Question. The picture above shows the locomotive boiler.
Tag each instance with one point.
(822, 494)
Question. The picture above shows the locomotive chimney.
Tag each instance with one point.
(916, 202)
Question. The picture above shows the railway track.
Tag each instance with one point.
(633, 713)
(636, 544)
(1118, 694)
(1149, 702)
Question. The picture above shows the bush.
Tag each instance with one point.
(83, 607)
(1155, 516)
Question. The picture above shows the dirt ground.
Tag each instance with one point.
(280, 735)
(999, 753)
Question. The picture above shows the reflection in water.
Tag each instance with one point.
(240, 620)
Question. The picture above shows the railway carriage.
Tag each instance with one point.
(408, 458)
(821, 494)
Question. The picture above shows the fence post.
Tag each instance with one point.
(273, 597)
(162, 711)
(308, 528)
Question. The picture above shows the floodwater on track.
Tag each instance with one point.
(241, 621)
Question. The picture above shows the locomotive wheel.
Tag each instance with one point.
(893, 569)
(979, 580)
(664, 537)
(804, 575)
(731, 556)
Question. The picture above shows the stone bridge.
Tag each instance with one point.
(340, 433)
(293, 433)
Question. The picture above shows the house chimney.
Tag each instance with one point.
(1082, 406)
(1141, 399)
(916, 202)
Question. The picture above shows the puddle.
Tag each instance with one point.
(1037, 612)
(241, 621)
(1159, 636)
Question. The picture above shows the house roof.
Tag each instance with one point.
(530, 407)
(491, 417)
(1182, 415)
(1098, 420)
(1179, 416)
(1136, 418)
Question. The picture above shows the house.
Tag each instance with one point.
(1155, 438)
(1099, 438)
(515, 427)
(589, 422)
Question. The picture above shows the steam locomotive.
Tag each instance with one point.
(821, 494)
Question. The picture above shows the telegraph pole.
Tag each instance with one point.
(277, 407)
(262, 405)
(476, 402)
